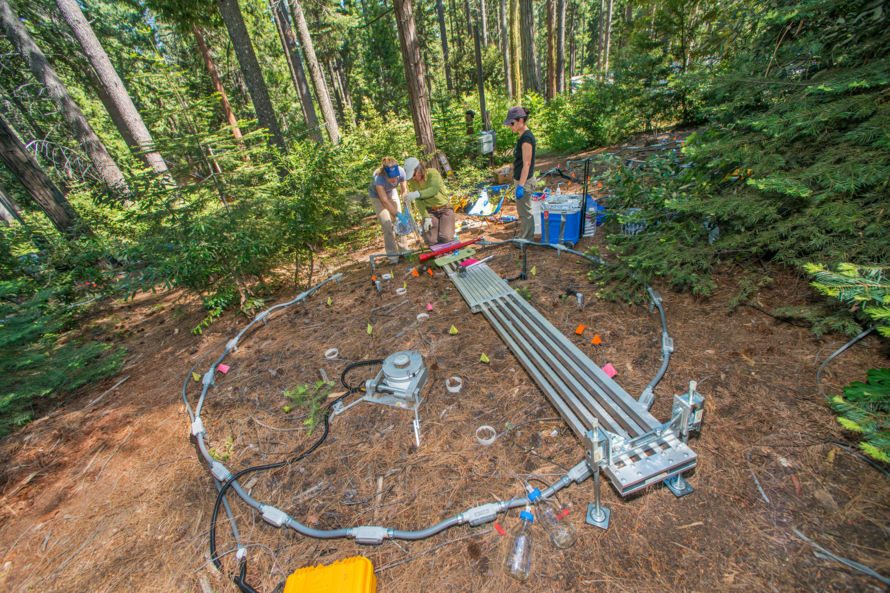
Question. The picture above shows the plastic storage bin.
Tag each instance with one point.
(561, 220)
(353, 575)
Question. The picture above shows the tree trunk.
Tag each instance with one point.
(505, 46)
(295, 65)
(305, 91)
(418, 98)
(572, 46)
(599, 44)
(9, 208)
(37, 183)
(515, 51)
(112, 84)
(527, 38)
(344, 83)
(443, 35)
(105, 166)
(250, 70)
(560, 46)
(484, 18)
(335, 84)
(217, 83)
(315, 72)
(551, 69)
(468, 18)
(628, 23)
(607, 40)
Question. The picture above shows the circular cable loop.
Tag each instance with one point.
(423, 317)
(486, 442)
(454, 388)
(401, 291)
(332, 353)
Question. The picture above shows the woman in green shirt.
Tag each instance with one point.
(428, 191)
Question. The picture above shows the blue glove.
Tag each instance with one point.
(520, 191)
(404, 218)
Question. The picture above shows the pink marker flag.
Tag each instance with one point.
(610, 370)
(429, 306)
(223, 368)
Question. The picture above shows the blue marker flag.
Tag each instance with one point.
(391, 172)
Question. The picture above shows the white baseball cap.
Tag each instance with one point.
(411, 165)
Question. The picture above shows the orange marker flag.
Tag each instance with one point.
(596, 339)
(415, 272)
(430, 270)
(373, 278)
(580, 330)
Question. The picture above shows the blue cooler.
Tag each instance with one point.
(561, 220)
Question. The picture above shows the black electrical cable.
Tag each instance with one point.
(240, 580)
(354, 365)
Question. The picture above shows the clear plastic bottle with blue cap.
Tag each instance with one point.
(518, 557)
(554, 520)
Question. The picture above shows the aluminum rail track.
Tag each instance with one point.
(630, 445)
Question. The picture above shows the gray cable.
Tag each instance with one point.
(842, 348)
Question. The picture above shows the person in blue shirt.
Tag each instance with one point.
(389, 178)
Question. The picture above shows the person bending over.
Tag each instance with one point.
(385, 201)
(428, 192)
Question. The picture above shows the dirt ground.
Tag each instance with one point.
(105, 492)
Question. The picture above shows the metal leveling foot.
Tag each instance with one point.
(679, 486)
(603, 521)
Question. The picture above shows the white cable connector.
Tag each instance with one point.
(580, 472)
(241, 554)
(232, 344)
(273, 516)
(208, 378)
(647, 398)
(197, 427)
(262, 316)
(369, 535)
(220, 472)
(481, 514)
(667, 344)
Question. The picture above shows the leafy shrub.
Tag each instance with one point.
(40, 356)
(792, 168)
(865, 408)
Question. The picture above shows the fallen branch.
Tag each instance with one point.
(115, 453)
(95, 401)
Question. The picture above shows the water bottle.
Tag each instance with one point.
(518, 559)
(554, 520)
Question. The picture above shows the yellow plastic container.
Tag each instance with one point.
(353, 575)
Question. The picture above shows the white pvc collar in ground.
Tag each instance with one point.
(401, 291)
(332, 353)
(422, 317)
(453, 384)
(484, 429)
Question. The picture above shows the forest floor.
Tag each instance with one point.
(105, 493)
